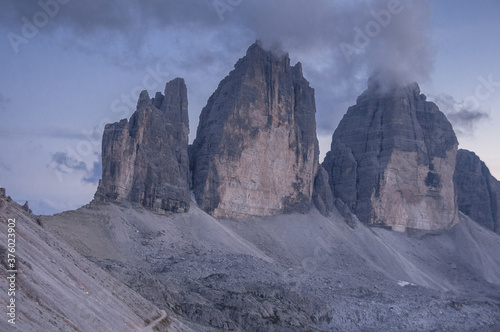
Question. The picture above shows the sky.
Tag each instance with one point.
(69, 67)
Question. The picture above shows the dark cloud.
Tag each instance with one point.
(463, 118)
(66, 164)
(88, 17)
(384, 34)
(94, 174)
(341, 43)
(466, 117)
(121, 30)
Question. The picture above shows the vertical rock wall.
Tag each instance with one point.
(145, 160)
(256, 151)
(392, 160)
(478, 191)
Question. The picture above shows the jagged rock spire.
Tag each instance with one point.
(145, 160)
(256, 151)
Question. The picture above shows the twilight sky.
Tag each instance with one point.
(69, 67)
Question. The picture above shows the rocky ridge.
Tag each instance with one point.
(256, 151)
(145, 160)
(392, 160)
(477, 190)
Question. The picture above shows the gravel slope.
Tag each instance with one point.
(57, 289)
(294, 272)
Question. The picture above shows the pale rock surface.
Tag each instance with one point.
(256, 151)
(392, 160)
(145, 160)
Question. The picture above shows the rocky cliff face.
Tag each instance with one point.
(392, 160)
(478, 191)
(256, 151)
(145, 160)
(322, 194)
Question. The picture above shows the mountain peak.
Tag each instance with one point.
(385, 82)
(392, 159)
(144, 100)
(145, 160)
(274, 51)
(380, 90)
(256, 151)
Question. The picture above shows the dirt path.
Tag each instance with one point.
(152, 325)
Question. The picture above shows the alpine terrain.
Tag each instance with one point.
(245, 230)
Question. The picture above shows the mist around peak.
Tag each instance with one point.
(383, 82)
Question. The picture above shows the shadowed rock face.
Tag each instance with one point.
(392, 160)
(145, 160)
(322, 194)
(256, 151)
(477, 190)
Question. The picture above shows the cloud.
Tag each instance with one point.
(121, 30)
(94, 174)
(388, 34)
(64, 163)
(463, 118)
(340, 43)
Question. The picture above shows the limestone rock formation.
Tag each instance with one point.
(392, 160)
(322, 194)
(477, 190)
(256, 151)
(145, 160)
